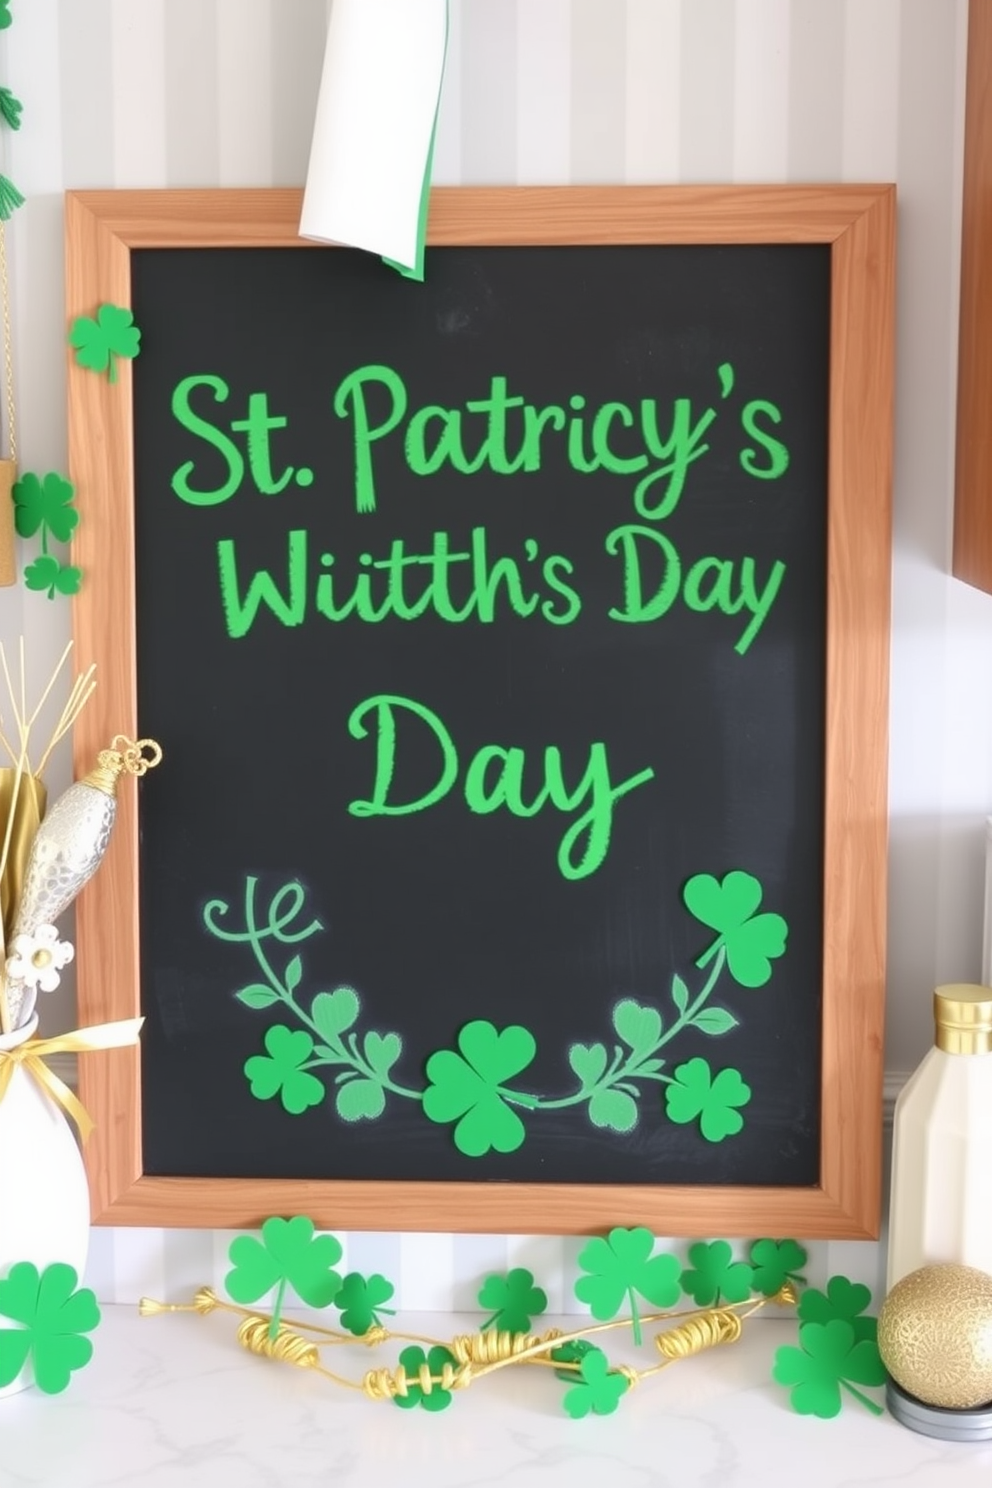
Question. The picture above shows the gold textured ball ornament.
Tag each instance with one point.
(935, 1335)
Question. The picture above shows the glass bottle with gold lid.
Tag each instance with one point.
(940, 1206)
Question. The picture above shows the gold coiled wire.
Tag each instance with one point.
(698, 1333)
(286, 1347)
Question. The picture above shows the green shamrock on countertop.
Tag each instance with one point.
(99, 342)
(515, 1299)
(571, 1352)
(360, 1301)
(288, 1254)
(622, 1266)
(6, 19)
(281, 1073)
(468, 1087)
(695, 1092)
(844, 1301)
(751, 940)
(51, 1314)
(829, 1358)
(433, 1397)
(715, 1276)
(600, 1389)
(774, 1262)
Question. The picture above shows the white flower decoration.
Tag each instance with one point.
(36, 960)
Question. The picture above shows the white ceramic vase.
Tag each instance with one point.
(44, 1198)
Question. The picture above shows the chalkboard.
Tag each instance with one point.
(516, 642)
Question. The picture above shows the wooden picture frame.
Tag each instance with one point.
(858, 223)
(972, 550)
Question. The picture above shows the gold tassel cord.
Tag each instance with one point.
(473, 1355)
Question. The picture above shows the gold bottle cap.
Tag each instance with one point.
(123, 757)
(963, 1013)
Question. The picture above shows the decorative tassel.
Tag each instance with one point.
(10, 199)
(10, 109)
(8, 559)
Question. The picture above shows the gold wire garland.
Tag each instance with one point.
(473, 1355)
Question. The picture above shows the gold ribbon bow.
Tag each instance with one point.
(32, 1053)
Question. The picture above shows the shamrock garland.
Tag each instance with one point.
(50, 1314)
(837, 1345)
(44, 504)
(475, 1088)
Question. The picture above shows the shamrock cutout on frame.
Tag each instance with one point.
(696, 1092)
(843, 1300)
(430, 1396)
(774, 1262)
(98, 343)
(360, 1301)
(828, 1359)
(468, 1087)
(751, 940)
(281, 1071)
(715, 1276)
(288, 1254)
(51, 1314)
(622, 1266)
(600, 1389)
(515, 1299)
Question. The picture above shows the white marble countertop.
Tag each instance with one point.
(173, 1402)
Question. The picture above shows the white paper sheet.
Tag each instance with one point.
(372, 139)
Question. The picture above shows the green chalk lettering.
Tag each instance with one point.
(708, 586)
(201, 428)
(240, 613)
(258, 425)
(508, 787)
(573, 603)
(623, 541)
(536, 420)
(776, 451)
(614, 463)
(758, 603)
(678, 452)
(494, 447)
(384, 706)
(350, 401)
(597, 821)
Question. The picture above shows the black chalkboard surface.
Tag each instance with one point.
(486, 627)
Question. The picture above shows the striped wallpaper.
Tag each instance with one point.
(221, 93)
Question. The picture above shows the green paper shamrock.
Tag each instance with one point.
(6, 19)
(828, 1358)
(468, 1087)
(600, 1389)
(281, 1074)
(10, 109)
(572, 1352)
(48, 573)
(435, 1398)
(774, 1262)
(515, 1299)
(360, 1300)
(695, 1092)
(288, 1254)
(44, 501)
(622, 1266)
(751, 940)
(51, 1314)
(99, 342)
(844, 1301)
(715, 1275)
